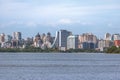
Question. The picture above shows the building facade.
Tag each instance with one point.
(108, 36)
(16, 41)
(38, 41)
(116, 37)
(87, 41)
(72, 42)
(17, 36)
(2, 38)
(117, 43)
(60, 40)
(103, 44)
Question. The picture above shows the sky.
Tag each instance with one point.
(79, 16)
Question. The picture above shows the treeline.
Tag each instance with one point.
(82, 50)
(33, 49)
(113, 49)
(28, 49)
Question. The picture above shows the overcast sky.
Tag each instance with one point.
(78, 16)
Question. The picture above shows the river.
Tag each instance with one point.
(59, 66)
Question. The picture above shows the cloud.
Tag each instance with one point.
(69, 22)
(55, 14)
(110, 24)
(8, 24)
(31, 24)
(65, 21)
(18, 23)
(24, 10)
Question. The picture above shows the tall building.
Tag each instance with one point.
(43, 37)
(107, 36)
(38, 41)
(8, 38)
(16, 41)
(102, 44)
(47, 40)
(61, 39)
(87, 41)
(72, 42)
(88, 37)
(17, 36)
(2, 37)
(116, 37)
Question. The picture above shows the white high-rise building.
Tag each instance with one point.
(72, 42)
(17, 36)
(101, 44)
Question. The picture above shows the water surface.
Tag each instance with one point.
(59, 66)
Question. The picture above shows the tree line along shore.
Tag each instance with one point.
(112, 49)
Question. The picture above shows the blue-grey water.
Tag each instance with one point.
(59, 66)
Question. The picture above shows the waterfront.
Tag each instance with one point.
(59, 66)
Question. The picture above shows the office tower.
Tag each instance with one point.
(107, 36)
(72, 42)
(60, 41)
(17, 36)
(63, 34)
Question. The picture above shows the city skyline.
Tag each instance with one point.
(64, 40)
(30, 17)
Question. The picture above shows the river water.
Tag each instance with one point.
(59, 66)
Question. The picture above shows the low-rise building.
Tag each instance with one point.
(117, 43)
